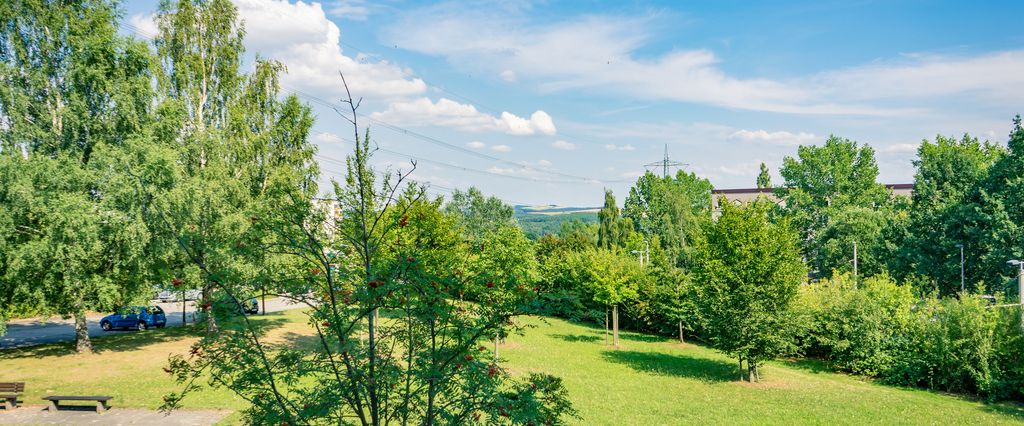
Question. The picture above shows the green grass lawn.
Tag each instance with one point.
(127, 365)
(648, 381)
(651, 381)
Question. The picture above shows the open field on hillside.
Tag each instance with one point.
(649, 380)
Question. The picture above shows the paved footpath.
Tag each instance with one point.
(38, 415)
(29, 332)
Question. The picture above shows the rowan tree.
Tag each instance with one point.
(401, 302)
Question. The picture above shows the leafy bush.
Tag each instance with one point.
(857, 327)
(949, 347)
(1007, 356)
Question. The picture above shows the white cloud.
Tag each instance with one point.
(595, 51)
(326, 137)
(774, 138)
(601, 52)
(503, 170)
(355, 10)
(613, 147)
(448, 113)
(900, 148)
(544, 163)
(476, 144)
(502, 148)
(508, 75)
(145, 24)
(991, 75)
(563, 145)
(300, 36)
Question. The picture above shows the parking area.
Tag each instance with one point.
(29, 332)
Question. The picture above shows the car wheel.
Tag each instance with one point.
(105, 325)
(142, 326)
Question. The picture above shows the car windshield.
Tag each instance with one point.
(155, 310)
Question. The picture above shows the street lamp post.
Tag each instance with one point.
(961, 246)
(854, 263)
(647, 251)
(641, 255)
(1020, 286)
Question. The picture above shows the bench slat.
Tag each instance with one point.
(12, 387)
(77, 398)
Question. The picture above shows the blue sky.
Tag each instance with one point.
(549, 102)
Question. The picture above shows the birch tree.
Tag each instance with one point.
(74, 100)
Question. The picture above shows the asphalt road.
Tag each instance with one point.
(28, 332)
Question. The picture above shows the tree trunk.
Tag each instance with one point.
(751, 371)
(741, 369)
(211, 322)
(371, 331)
(681, 339)
(82, 343)
(497, 335)
(615, 326)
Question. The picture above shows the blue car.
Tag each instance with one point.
(139, 318)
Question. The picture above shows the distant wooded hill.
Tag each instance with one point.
(537, 221)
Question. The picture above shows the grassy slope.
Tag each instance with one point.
(658, 381)
(648, 381)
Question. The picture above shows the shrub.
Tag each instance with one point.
(949, 347)
(857, 327)
(1007, 356)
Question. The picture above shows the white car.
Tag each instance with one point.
(166, 296)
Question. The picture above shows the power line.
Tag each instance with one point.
(444, 164)
(149, 36)
(428, 185)
(448, 145)
(495, 111)
(336, 108)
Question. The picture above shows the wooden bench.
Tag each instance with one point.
(101, 401)
(9, 392)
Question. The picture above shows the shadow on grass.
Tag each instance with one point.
(675, 365)
(648, 338)
(812, 365)
(113, 341)
(125, 340)
(576, 338)
(1012, 409)
(307, 342)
